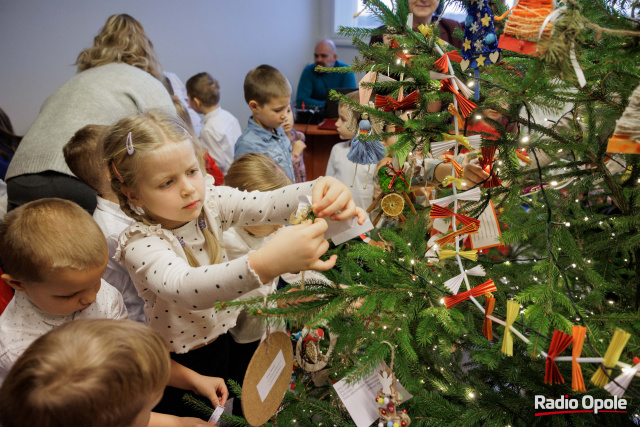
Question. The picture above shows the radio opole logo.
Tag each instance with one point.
(588, 404)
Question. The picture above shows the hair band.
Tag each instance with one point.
(117, 174)
(129, 145)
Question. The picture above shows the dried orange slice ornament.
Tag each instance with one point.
(392, 204)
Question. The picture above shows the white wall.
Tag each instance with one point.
(42, 38)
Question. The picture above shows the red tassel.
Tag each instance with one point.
(466, 106)
(469, 229)
(400, 53)
(443, 65)
(388, 104)
(493, 181)
(488, 157)
(559, 342)
(482, 289)
(487, 327)
(438, 211)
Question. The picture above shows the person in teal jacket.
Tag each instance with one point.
(313, 86)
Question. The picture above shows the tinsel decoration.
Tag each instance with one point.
(480, 45)
(626, 137)
(453, 300)
(522, 30)
(559, 342)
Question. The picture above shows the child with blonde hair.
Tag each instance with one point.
(96, 373)
(173, 252)
(83, 154)
(54, 256)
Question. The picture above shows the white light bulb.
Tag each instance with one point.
(568, 224)
(586, 218)
(442, 301)
(471, 395)
(525, 139)
(470, 84)
(554, 183)
(478, 117)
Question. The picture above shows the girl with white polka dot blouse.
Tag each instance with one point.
(173, 251)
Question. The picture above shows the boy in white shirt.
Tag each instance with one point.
(220, 129)
(83, 155)
(54, 255)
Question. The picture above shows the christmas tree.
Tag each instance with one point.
(565, 279)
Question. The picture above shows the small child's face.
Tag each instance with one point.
(288, 123)
(492, 114)
(262, 230)
(272, 114)
(341, 124)
(170, 185)
(66, 290)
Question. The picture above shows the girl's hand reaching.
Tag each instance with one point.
(295, 248)
(331, 197)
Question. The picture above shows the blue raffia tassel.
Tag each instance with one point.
(365, 152)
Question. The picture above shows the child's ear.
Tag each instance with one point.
(132, 195)
(16, 284)
(254, 106)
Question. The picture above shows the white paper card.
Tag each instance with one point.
(441, 225)
(359, 398)
(337, 228)
(489, 232)
(271, 376)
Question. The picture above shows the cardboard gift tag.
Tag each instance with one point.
(488, 234)
(267, 378)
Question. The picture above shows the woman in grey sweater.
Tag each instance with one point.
(118, 76)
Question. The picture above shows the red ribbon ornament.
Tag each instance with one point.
(559, 342)
(482, 289)
(488, 157)
(388, 104)
(438, 211)
(469, 229)
(400, 53)
(396, 174)
(487, 326)
(466, 106)
(443, 65)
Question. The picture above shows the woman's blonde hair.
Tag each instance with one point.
(122, 39)
(256, 172)
(98, 373)
(149, 131)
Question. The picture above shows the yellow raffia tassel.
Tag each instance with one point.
(458, 182)
(462, 140)
(470, 255)
(507, 340)
(611, 357)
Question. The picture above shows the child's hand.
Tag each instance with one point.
(294, 248)
(331, 197)
(213, 388)
(165, 420)
(193, 422)
(298, 147)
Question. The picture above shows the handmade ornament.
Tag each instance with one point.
(466, 106)
(487, 327)
(309, 355)
(449, 238)
(442, 64)
(363, 151)
(454, 283)
(486, 162)
(480, 45)
(453, 300)
(365, 91)
(388, 104)
(394, 183)
(438, 211)
(472, 195)
(267, 378)
(522, 30)
(388, 398)
(460, 183)
(507, 339)
(457, 167)
(626, 137)
(471, 142)
(611, 357)
(622, 381)
(577, 381)
(559, 342)
(470, 255)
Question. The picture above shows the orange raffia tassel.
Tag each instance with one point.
(482, 289)
(448, 158)
(487, 326)
(577, 381)
(559, 342)
(443, 65)
(466, 106)
(469, 229)
(438, 211)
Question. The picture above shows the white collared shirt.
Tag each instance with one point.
(220, 131)
(22, 322)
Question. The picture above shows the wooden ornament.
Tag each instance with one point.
(267, 378)
(626, 137)
(308, 354)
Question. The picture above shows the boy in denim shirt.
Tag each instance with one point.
(268, 93)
